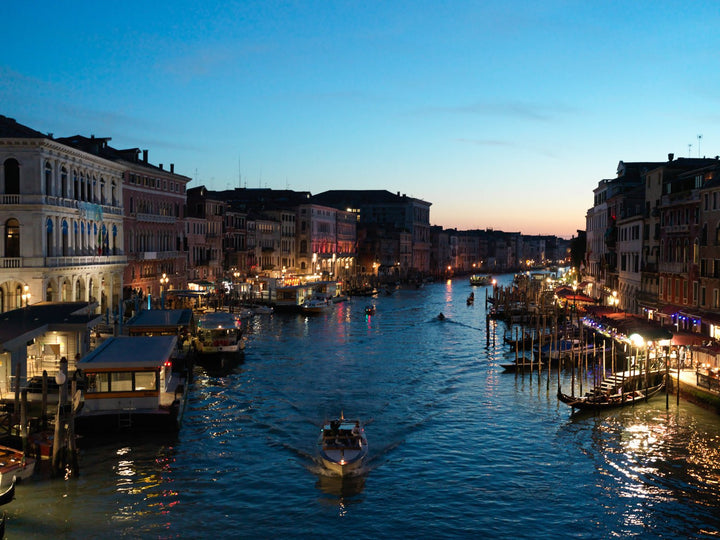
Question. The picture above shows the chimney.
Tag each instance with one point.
(671, 156)
(172, 168)
(160, 166)
(145, 152)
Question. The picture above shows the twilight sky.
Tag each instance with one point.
(503, 115)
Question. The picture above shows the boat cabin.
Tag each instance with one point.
(219, 332)
(130, 373)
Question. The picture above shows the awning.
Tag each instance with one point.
(688, 338)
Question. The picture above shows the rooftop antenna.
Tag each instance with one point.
(699, 137)
(689, 149)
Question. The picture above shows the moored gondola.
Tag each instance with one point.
(599, 401)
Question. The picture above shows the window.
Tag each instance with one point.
(12, 238)
(145, 380)
(12, 177)
(63, 182)
(121, 381)
(48, 179)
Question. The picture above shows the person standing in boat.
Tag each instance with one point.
(356, 434)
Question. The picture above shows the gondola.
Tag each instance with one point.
(8, 495)
(522, 366)
(598, 401)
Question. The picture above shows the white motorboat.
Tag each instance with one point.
(314, 306)
(343, 446)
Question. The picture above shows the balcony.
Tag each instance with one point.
(673, 267)
(46, 200)
(153, 218)
(80, 260)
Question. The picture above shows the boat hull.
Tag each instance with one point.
(343, 462)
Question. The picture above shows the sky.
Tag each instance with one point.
(502, 115)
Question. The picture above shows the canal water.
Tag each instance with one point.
(458, 448)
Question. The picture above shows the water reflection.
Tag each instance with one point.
(342, 491)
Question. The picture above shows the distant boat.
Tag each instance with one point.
(479, 280)
(314, 306)
(370, 309)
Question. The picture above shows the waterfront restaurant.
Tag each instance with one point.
(35, 338)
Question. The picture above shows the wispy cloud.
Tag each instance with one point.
(510, 109)
(486, 142)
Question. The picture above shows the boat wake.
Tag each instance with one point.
(447, 320)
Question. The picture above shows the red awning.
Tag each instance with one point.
(688, 338)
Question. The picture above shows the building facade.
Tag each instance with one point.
(61, 214)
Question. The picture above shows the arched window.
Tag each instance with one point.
(93, 196)
(12, 238)
(76, 238)
(48, 179)
(113, 194)
(49, 293)
(64, 238)
(83, 187)
(63, 182)
(76, 186)
(18, 296)
(102, 190)
(114, 240)
(104, 248)
(12, 177)
(49, 244)
(78, 291)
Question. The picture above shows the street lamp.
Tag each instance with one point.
(163, 283)
(26, 295)
(614, 301)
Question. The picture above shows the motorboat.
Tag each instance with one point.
(131, 384)
(314, 306)
(219, 332)
(15, 466)
(370, 309)
(343, 446)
